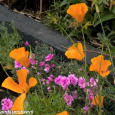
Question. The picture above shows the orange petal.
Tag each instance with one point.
(96, 60)
(63, 113)
(22, 75)
(103, 74)
(73, 53)
(32, 83)
(94, 68)
(24, 61)
(19, 104)
(97, 100)
(78, 11)
(13, 54)
(9, 83)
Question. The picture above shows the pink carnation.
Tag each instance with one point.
(49, 80)
(81, 82)
(85, 109)
(49, 57)
(93, 83)
(6, 104)
(68, 99)
(17, 64)
(73, 79)
(58, 79)
(49, 89)
(41, 63)
(47, 68)
(64, 82)
(53, 65)
(26, 43)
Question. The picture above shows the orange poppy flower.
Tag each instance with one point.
(96, 64)
(22, 88)
(63, 113)
(21, 56)
(78, 11)
(97, 100)
(73, 53)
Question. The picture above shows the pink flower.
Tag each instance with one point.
(41, 63)
(49, 57)
(80, 69)
(53, 65)
(85, 109)
(17, 64)
(64, 82)
(81, 82)
(73, 79)
(43, 83)
(93, 83)
(89, 92)
(42, 79)
(74, 94)
(39, 74)
(6, 104)
(51, 76)
(47, 68)
(59, 66)
(49, 89)
(33, 67)
(32, 61)
(68, 99)
(26, 43)
(49, 80)
(25, 68)
(36, 41)
(58, 79)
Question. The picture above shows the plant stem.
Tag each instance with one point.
(4, 70)
(85, 69)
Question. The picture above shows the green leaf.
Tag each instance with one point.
(105, 18)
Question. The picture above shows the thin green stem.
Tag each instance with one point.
(85, 68)
(107, 45)
(4, 70)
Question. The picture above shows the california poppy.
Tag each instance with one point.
(97, 100)
(96, 64)
(63, 113)
(73, 53)
(21, 56)
(22, 88)
(78, 11)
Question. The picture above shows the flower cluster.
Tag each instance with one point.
(47, 66)
(6, 104)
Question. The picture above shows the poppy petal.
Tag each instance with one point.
(78, 11)
(103, 74)
(13, 54)
(32, 83)
(19, 104)
(22, 75)
(97, 100)
(94, 68)
(73, 52)
(24, 61)
(9, 83)
(96, 60)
